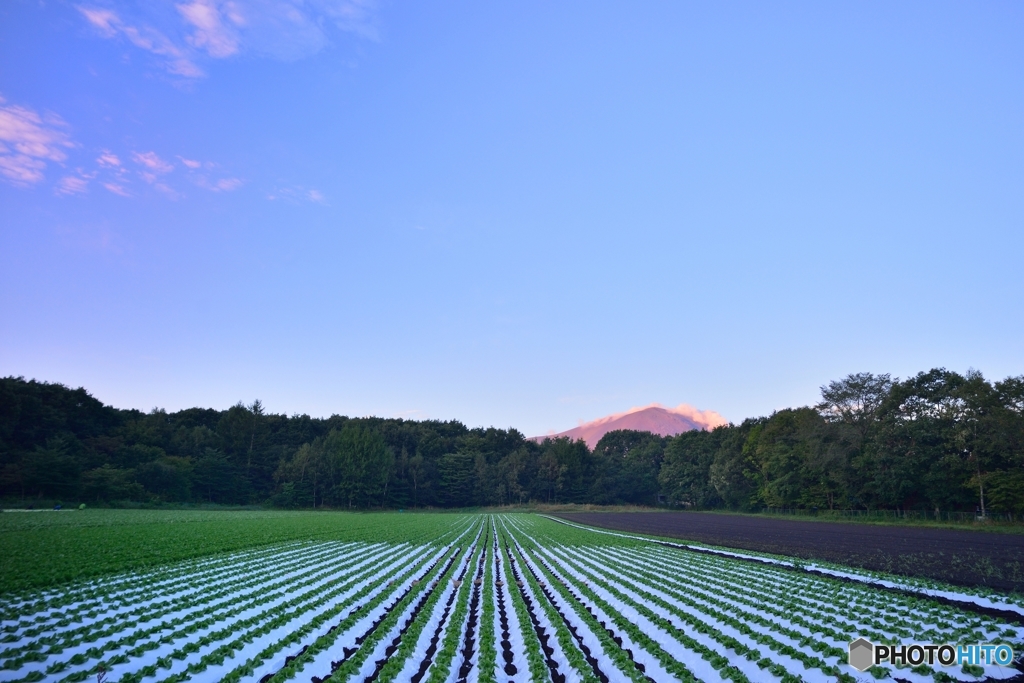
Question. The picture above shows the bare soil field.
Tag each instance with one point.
(965, 558)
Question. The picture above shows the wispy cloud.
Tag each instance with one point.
(221, 185)
(20, 169)
(218, 29)
(297, 195)
(167, 191)
(28, 141)
(72, 185)
(158, 172)
(210, 33)
(151, 161)
(117, 189)
(353, 16)
(108, 159)
(109, 23)
(155, 167)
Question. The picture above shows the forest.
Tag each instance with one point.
(936, 441)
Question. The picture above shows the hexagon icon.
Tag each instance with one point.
(862, 654)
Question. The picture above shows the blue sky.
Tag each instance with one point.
(513, 214)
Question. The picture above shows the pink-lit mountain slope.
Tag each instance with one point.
(653, 418)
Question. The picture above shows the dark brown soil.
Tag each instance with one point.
(965, 558)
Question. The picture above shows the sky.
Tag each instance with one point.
(518, 214)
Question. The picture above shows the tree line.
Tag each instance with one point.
(939, 440)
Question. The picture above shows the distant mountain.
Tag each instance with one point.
(653, 418)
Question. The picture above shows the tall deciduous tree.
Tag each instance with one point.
(456, 472)
(359, 463)
(685, 474)
(625, 468)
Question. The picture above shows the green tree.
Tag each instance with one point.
(781, 452)
(625, 468)
(168, 478)
(307, 474)
(512, 475)
(685, 474)
(1006, 490)
(215, 479)
(484, 482)
(359, 464)
(854, 402)
(924, 446)
(108, 483)
(420, 475)
(456, 472)
(53, 469)
(731, 473)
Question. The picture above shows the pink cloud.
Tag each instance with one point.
(169, 191)
(21, 170)
(110, 25)
(283, 29)
(105, 20)
(72, 185)
(116, 189)
(709, 419)
(109, 159)
(222, 185)
(226, 185)
(210, 33)
(154, 170)
(27, 142)
(354, 16)
(151, 161)
(296, 194)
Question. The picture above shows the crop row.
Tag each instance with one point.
(475, 599)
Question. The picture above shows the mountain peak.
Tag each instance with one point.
(654, 418)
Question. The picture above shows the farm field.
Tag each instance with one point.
(448, 597)
(962, 557)
(78, 544)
